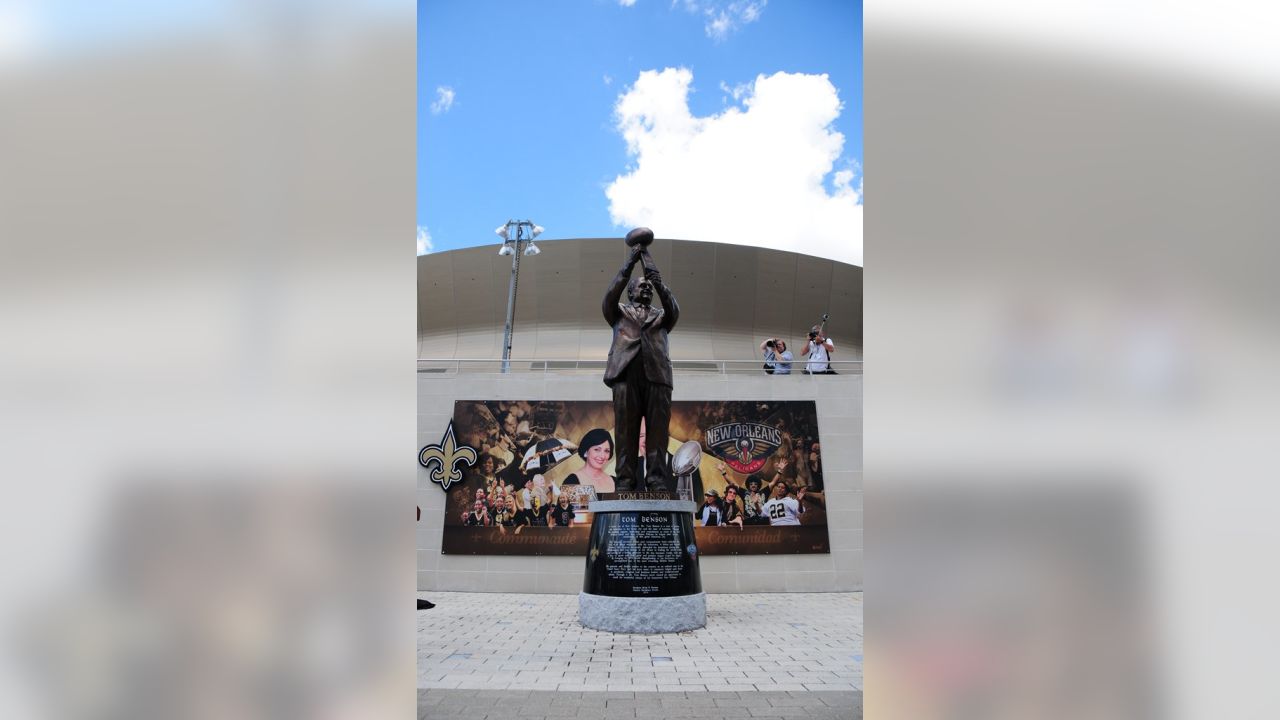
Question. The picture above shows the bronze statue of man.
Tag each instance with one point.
(639, 368)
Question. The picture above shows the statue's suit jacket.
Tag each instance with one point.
(639, 330)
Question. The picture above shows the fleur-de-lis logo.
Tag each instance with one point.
(595, 553)
(442, 459)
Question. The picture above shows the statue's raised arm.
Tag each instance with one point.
(670, 309)
(613, 295)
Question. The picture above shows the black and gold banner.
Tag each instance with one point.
(759, 486)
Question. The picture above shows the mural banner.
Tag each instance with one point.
(540, 464)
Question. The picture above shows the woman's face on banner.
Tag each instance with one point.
(598, 456)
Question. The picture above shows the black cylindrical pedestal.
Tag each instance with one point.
(642, 571)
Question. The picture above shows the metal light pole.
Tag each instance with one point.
(513, 234)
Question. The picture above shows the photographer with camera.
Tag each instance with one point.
(777, 358)
(818, 350)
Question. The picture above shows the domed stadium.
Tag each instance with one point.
(731, 298)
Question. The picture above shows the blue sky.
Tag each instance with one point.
(518, 118)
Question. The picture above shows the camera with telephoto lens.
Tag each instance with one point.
(769, 344)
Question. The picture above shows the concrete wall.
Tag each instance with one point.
(839, 404)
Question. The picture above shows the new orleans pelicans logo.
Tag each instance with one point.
(442, 460)
(743, 446)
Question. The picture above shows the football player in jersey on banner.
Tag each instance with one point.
(782, 509)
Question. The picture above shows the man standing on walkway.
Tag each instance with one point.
(777, 358)
(818, 350)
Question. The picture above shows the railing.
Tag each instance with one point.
(457, 366)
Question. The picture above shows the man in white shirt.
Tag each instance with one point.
(818, 350)
(781, 508)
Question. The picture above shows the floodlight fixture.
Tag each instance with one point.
(525, 232)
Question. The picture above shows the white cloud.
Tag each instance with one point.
(718, 25)
(750, 176)
(751, 12)
(608, 79)
(444, 100)
(424, 241)
(626, 3)
(722, 18)
(738, 91)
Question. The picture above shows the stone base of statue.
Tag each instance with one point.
(642, 571)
